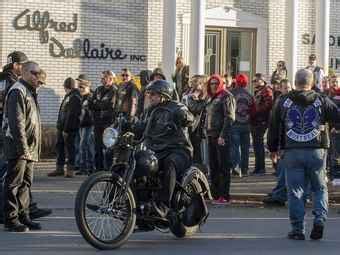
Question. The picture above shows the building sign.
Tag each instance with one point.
(82, 48)
(334, 41)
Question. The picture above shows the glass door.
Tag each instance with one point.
(230, 50)
(212, 52)
(240, 57)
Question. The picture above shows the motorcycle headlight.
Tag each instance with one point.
(110, 137)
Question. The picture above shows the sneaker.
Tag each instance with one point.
(296, 236)
(336, 182)
(317, 232)
(273, 202)
(221, 201)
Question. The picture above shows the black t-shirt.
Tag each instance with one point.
(127, 91)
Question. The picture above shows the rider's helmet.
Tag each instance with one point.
(146, 163)
(160, 86)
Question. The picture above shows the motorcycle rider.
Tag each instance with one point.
(167, 123)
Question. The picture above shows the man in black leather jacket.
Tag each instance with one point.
(103, 105)
(298, 128)
(22, 127)
(167, 135)
(68, 127)
(11, 72)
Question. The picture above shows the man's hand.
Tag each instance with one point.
(274, 156)
(221, 141)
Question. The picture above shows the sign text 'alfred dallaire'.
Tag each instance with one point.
(43, 23)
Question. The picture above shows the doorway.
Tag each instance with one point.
(230, 50)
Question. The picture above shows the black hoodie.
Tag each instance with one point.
(299, 121)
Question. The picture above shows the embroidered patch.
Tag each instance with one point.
(287, 103)
(303, 125)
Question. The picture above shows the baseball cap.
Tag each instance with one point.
(82, 78)
(16, 57)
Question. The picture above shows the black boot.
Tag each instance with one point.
(16, 227)
(36, 212)
(317, 232)
(29, 223)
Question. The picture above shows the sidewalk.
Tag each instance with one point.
(251, 189)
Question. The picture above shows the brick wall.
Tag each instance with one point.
(119, 24)
(306, 24)
(135, 26)
(334, 51)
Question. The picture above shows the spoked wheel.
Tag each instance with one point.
(105, 214)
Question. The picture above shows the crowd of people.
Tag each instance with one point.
(221, 111)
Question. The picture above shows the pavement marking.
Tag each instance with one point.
(209, 219)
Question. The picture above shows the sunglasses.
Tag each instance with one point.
(81, 87)
(125, 75)
(35, 73)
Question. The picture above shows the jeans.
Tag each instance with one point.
(303, 167)
(66, 140)
(219, 161)
(279, 193)
(258, 133)
(240, 139)
(17, 187)
(335, 156)
(86, 150)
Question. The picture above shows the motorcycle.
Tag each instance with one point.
(111, 205)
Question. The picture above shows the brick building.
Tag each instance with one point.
(88, 36)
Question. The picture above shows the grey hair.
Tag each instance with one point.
(28, 66)
(304, 78)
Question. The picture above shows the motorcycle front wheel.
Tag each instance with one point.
(105, 213)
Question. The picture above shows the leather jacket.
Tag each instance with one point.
(69, 112)
(166, 129)
(103, 105)
(21, 124)
(299, 120)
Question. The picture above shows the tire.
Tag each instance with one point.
(105, 210)
(176, 226)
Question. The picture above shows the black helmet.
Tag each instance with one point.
(146, 163)
(162, 87)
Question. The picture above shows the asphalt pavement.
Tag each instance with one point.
(239, 228)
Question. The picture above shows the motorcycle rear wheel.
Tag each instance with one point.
(105, 215)
(176, 225)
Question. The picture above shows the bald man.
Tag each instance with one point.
(298, 129)
(22, 128)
